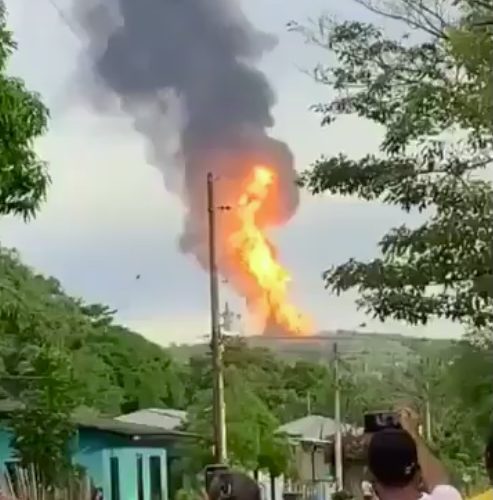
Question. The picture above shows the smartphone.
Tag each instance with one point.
(211, 471)
(379, 420)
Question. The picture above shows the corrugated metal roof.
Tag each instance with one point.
(315, 428)
(162, 418)
(127, 428)
(117, 426)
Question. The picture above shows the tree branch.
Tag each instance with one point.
(431, 30)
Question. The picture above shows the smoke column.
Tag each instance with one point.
(201, 54)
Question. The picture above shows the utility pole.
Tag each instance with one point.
(219, 411)
(337, 417)
(428, 430)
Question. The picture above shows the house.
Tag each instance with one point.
(312, 438)
(127, 461)
(171, 420)
(310, 435)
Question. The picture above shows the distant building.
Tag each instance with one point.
(126, 460)
(312, 438)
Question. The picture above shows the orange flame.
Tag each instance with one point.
(256, 254)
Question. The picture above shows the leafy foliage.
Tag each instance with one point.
(249, 396)
(57, 353)
(23, 118)
(43, 429)
(433, 102)
(115, 369)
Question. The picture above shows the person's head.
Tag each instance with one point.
(489, 457)
(393, 460)
(229, 485)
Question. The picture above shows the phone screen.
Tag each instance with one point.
(377, 421)
(211, 471)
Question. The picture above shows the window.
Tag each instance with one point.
(140, 478)
(115, 478)
(156, 480)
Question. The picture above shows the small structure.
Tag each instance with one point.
(312, 438)
(127, 461)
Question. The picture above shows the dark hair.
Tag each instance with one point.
(489, 457)
(393, 458)
(227, 485)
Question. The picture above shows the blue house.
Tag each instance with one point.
(127, 461)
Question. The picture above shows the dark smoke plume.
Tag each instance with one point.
(200, 52)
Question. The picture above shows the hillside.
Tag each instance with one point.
(372, 349)
(118, 370)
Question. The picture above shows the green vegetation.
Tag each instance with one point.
(23, 177)
(42, 427)
(434, 101)
(58, 354)
(370, 351)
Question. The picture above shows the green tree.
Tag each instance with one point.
(254, 387)
(57, 354)
(35, 368)
(462, 413)
(251, 428)
(438, 142)
(469, 379)
(117, 370)
(43, 427)
(23, 176)
(308, 387)
(141, 372)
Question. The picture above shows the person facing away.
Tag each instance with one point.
(230, 485)
(400, 463)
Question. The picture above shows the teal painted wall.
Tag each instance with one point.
(93, 451)
(127, 458)
(6, 452)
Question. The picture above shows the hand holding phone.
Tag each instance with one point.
(379, 420)
(211, 471)
(409, 420)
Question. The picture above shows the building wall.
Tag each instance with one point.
(93, 451)
(311, 464)
(6, 452)
(89, 454)
(127, 458)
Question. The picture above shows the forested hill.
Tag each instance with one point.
(113, 370)
(119, 370)
(372, 350)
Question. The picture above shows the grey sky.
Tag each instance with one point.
(109, 217)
